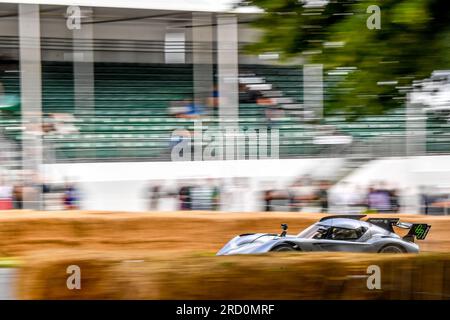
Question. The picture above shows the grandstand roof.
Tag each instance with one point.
(178, 5)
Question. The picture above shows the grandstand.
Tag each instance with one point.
(131, 118)
(111, 87)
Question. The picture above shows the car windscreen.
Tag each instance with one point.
(337, 233)
(316, 231)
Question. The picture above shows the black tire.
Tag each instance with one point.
(283, 248)
(392, 248)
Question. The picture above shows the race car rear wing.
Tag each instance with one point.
(385, 223)
(417, 231)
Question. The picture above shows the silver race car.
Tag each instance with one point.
(334, 233)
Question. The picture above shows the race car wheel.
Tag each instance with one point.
(392, 248)
(283, 248)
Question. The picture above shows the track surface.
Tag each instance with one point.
(22, 231)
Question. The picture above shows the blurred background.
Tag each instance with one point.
(352, 96)
(138, 137)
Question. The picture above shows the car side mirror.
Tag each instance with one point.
(284, 227)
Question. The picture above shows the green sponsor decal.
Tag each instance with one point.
(420, 231)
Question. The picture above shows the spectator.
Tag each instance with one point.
(424, 200)
(194, 109)
(155, 196)
(18, 196)
(379, 199)
(184, 197)
(243, 93)
(213, 100)
(48, 124)
(178, 108)
(322, 196)
(268, 196)
(216, 198)
(248, 96)
(276, 200)
(395, 203)
(60, 123)
(187, 109)
(70, 197)
(6, 196)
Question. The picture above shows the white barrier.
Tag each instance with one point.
(124, 185)
(8, 278)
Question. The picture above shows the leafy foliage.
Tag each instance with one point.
(414, 40)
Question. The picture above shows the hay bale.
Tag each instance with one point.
(143, 275)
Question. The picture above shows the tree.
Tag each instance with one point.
(414, 40)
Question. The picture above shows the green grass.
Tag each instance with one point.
(9, 262)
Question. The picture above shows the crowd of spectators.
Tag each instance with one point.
(302, 195)
(234, 195)
(186, 196)
(38, 194)
(377, 197)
